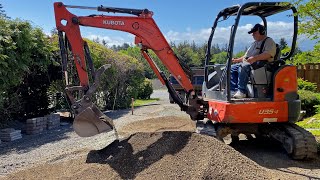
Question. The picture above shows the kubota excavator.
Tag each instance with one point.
(271, 109)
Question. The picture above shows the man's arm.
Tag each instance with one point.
(260, 57)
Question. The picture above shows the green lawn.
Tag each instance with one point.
(315, 132)
(311, 125)
(141, 102)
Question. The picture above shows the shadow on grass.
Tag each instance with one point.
(127, 163)
(270, 154)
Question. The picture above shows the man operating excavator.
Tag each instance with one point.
(262, 50)
(273, 117)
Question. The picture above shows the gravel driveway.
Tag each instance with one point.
(60, 145)
(63, 143)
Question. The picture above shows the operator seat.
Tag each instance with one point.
(261, 79)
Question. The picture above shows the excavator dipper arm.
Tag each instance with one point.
(147, 36)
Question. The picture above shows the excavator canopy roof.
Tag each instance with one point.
(262, 9)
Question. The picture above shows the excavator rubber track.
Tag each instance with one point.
(304, 143)
(299, 143)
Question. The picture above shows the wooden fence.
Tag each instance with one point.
(311, 73)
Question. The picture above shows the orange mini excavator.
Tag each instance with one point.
(271, 109)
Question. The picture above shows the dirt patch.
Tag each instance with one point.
(160, 155)
(170, 123)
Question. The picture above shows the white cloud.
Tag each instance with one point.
(117, 40)
(47, 33)
(276, 30)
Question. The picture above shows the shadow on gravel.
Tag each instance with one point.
(269, 153)
(30, 142)
(128, 158)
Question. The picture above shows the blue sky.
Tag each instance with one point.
(178, 20)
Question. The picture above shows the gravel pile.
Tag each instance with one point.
(159, 155)
(169, 123)
(158, 143)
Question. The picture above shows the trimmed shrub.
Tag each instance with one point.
(145, 90)
(309, 101)
(306, 85)
(25, 56)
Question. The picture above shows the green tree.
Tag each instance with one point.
(309, 15)
(124, 46)
(21, 47)
(104, 42)
(188, 54)
(305, 57)
(309, 25)
(2, 12)
(145, 89)
(282, 44)
(219, 58)
(135, 52)
(25, 54)
(119, 83)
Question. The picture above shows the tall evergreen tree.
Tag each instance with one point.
(2, 11)
(282, 44)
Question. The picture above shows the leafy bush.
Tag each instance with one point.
(22, 47)
(306, 85)
(317, 108)
(57, 98)
(309, 101)
(145, 89)
(118, 83)
(25, 54)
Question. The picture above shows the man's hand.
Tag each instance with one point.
(237, 60)
(251, 59)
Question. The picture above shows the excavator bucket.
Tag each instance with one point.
(91, 122)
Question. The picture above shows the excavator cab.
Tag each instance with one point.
(217, 76)
(272, 106)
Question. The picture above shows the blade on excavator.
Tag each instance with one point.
(92, 121)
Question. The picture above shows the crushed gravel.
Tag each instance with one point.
(160, 155)
(157, 143)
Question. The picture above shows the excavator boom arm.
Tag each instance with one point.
(89, 120)
(147, 36)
